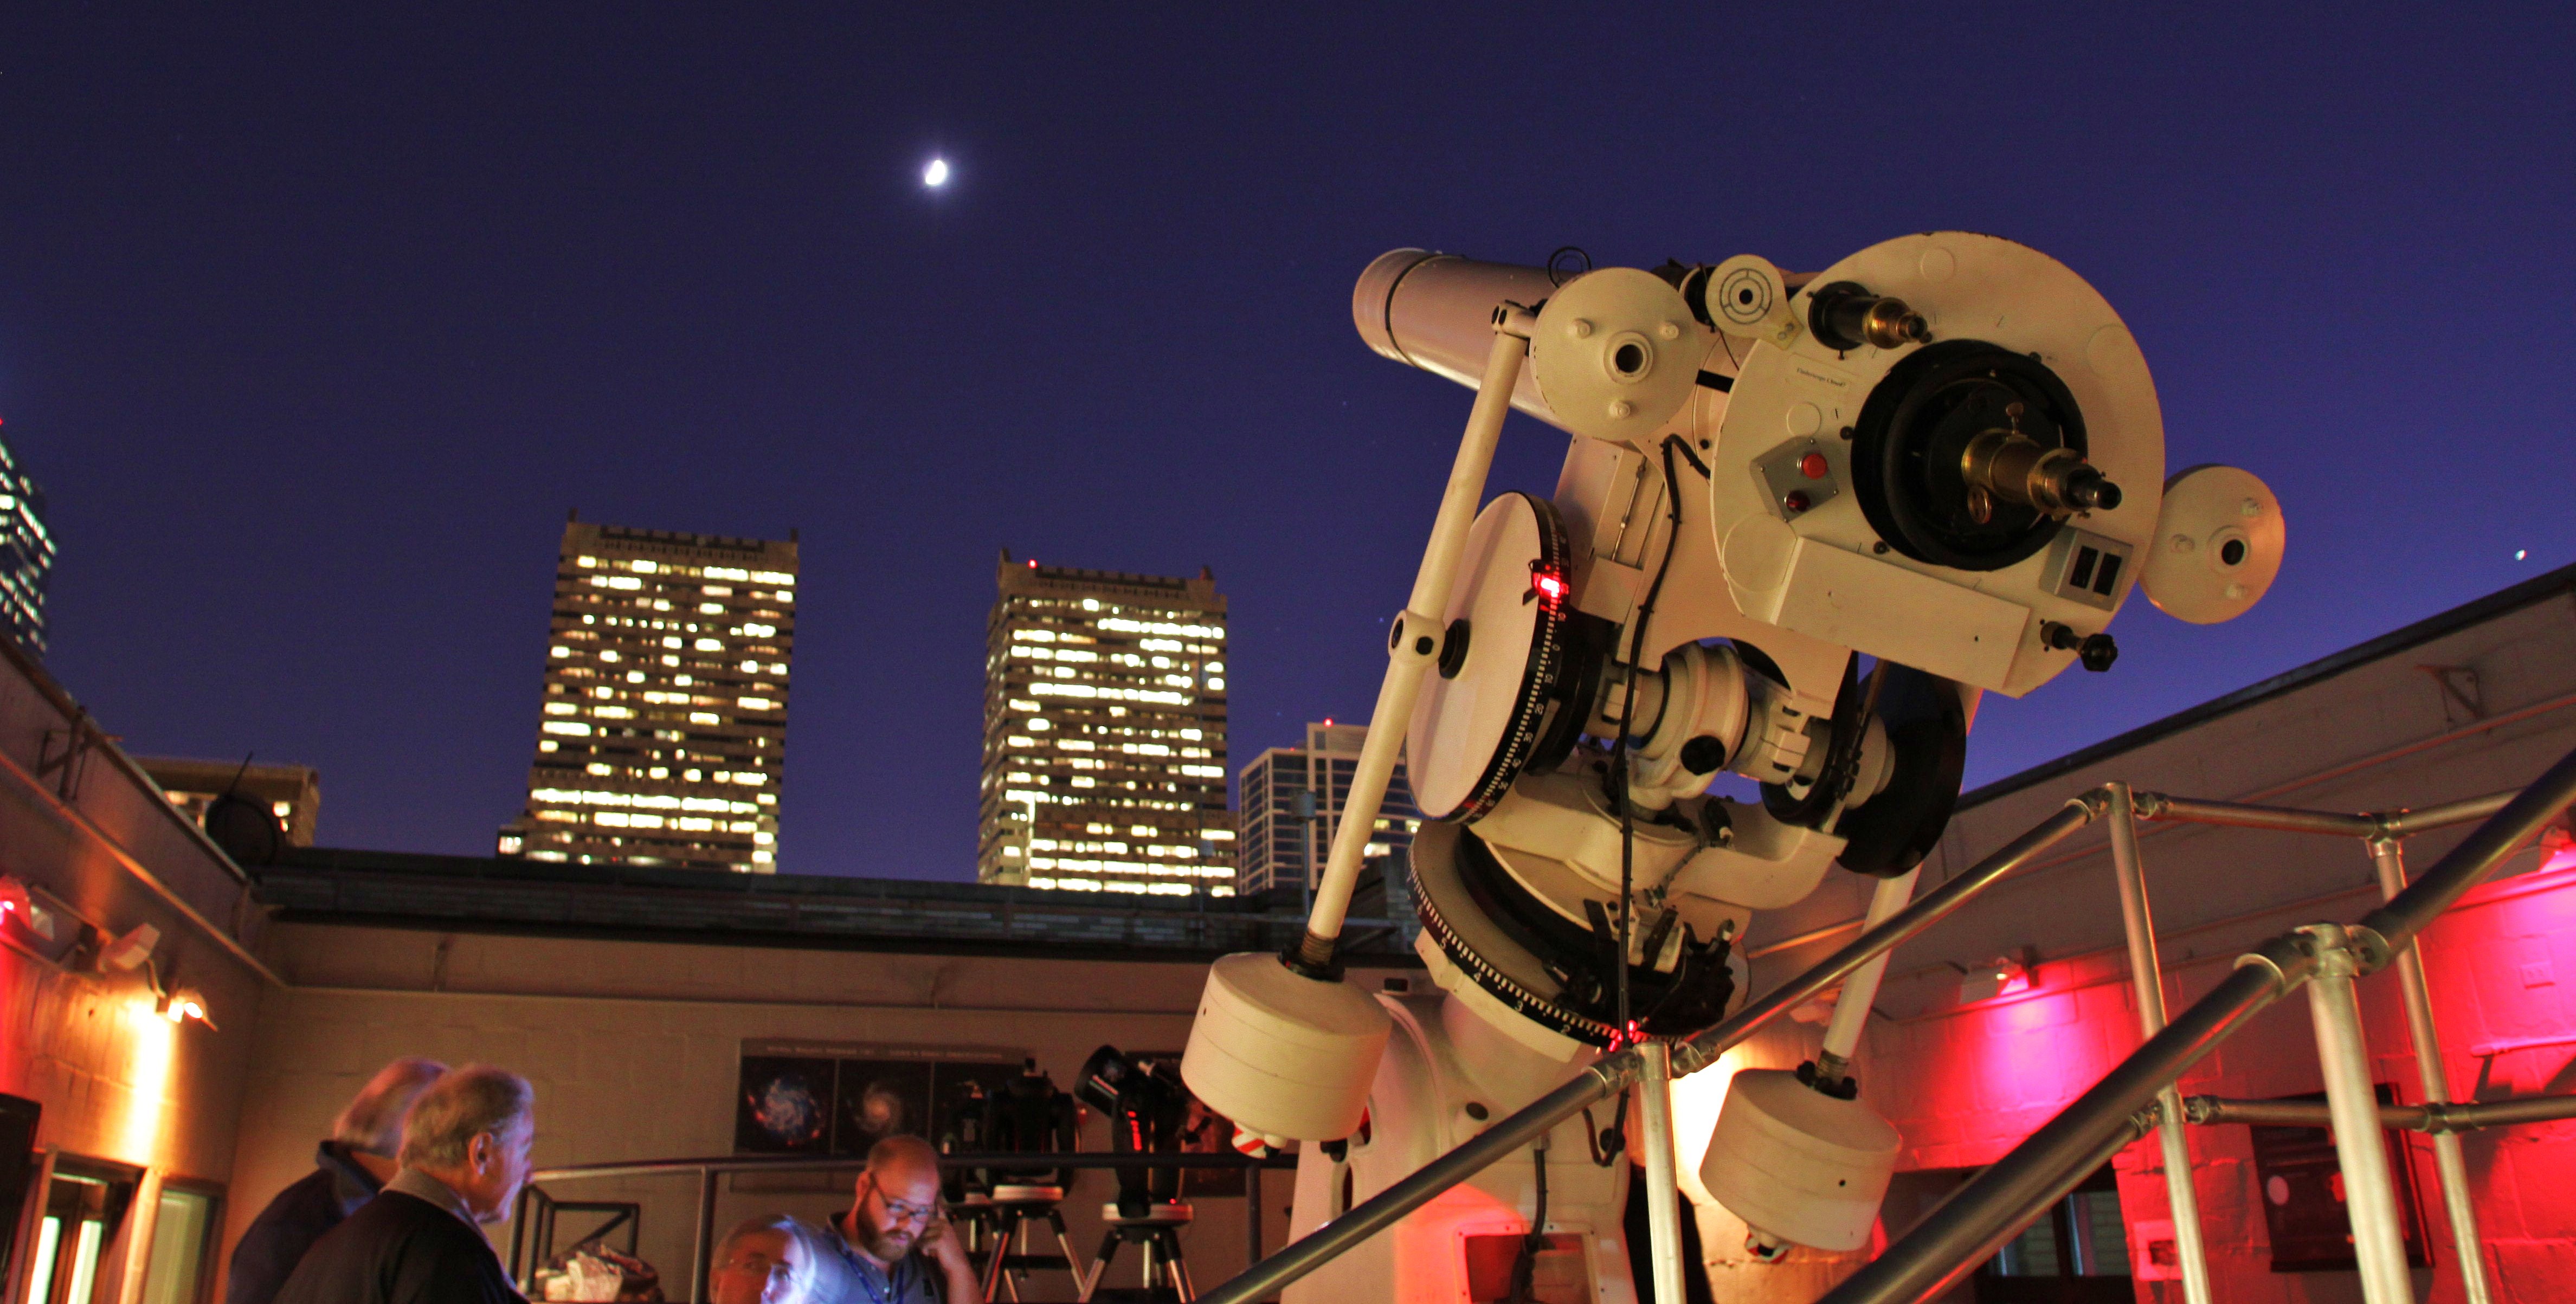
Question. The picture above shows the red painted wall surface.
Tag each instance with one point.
(1965, 1084)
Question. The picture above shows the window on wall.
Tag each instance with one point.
(2076, 1253)
(85, 1207)
(183, 1230)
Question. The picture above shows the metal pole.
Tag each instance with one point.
(519, 1234)
(1702, 1048)
(1980, 1216)
(702, 1254)
(1851, 1009)
(1612, 1074)
(2370, 1197)
(2146, 974)
(2450, 1166)
(2436, 1119)
(1986, 1212)
(1605, 1078)
(1663, 1193)
(2408, 823)
(1415, 638)
(2195, 810)
(2468, 864)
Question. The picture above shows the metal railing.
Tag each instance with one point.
(2137, 1095)
(708, 1169)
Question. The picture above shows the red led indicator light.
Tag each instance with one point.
(1797, 501)
(1812, 466)
(1550, 587)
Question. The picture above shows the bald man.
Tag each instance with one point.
(901, 1246)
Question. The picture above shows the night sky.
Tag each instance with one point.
(313, 325)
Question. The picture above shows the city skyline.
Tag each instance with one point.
(312, 333)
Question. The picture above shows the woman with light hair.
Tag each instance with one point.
(780, 1260)
(348, 1170)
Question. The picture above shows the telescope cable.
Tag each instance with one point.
(1622, 762)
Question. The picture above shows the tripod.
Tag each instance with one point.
(1013, 1209)
(1156, 1233)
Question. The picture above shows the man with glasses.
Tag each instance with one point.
(782, 1260)
(902, 1249)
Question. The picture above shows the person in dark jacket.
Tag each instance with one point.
(420, 1241)
(348, 1170)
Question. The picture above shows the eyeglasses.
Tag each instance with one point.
(902, 1210)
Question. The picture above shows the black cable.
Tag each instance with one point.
(1619, 759)
(1525, 1268)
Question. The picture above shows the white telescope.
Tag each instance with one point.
(1942, 456)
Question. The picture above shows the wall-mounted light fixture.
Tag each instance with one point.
(2000, 976)
(183, 1004)
(19, 906)
(131, 950)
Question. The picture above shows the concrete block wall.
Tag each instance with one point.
(635, 1048)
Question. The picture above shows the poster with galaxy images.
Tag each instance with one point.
(837, 1099)
(785, 1105)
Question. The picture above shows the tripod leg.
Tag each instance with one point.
(1181, 1273)
(1099, 1267)
(1064, 1243)
(1001, 1249)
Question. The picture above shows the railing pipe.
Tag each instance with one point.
(2499, 1113)
(1613, 1073)
(2408, 823)
(1986, 1212)
(1010, 1159)
(2343, 1056)
(2195, 810)
(2469, 863)
(1701, 1049)
(2146, 976)
(1978, 1218)
(2450, 1166)
(702, 1254)
(1663, 1196)
(1605, 1078)
(2436, 1119)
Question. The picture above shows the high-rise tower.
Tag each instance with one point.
(1104, 733)
(665, 717)
(1278, 848)
(26, 555)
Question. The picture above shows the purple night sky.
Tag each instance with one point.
(313, 323)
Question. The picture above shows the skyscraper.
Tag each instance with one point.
(665, 716)
(1274, 849)
(26, 555)
(1104, 733)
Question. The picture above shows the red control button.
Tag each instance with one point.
(1812, 466)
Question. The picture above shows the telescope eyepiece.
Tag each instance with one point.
(1844, 316)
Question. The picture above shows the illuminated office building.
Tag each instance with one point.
(1104, 733)
(1274, 847)
(26, 555)
(665, 717)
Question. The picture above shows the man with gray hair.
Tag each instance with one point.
(420, 1241)
(348, 1170)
